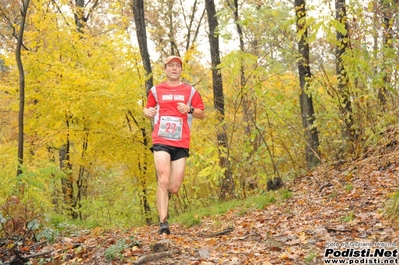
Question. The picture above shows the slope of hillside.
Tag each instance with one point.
(336, 207)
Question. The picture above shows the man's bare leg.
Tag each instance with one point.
(162, 166)
(177, 169)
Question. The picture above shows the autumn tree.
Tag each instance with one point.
(244, 95)
(226, 181)
(345, 104)
(24, 11)
(73, 198)
(305, 75)
(16, 23)
(18, 33)
(388, 11)
(141, 33)
(82, 84)
(175, 27)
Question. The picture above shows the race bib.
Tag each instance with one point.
(170, 127)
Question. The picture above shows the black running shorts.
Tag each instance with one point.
(175, 152)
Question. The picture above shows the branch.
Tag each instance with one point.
(221, 233)
(91, 10)
(36, 254)
(276, 172)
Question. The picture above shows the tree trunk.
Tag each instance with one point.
(144, 197)
(81, 182)
(139, 20)
(227, 185)
(306, 102)
(24, 11)
(388, 10)
(78, 15)
(345, 104)
(67, 180)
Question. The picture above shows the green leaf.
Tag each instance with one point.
(33, 225)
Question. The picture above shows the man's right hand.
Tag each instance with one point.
(150, 112)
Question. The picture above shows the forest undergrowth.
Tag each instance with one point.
(341, 205)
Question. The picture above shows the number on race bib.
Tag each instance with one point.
(170, 127)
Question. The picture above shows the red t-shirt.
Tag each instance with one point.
(170, 126)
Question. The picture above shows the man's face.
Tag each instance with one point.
(173, 69)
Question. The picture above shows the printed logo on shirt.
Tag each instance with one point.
(173, 97)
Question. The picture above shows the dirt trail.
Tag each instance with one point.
(339, 206)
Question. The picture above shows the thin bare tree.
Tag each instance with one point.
(20, 36)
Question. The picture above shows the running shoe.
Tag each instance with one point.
(164, 228)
